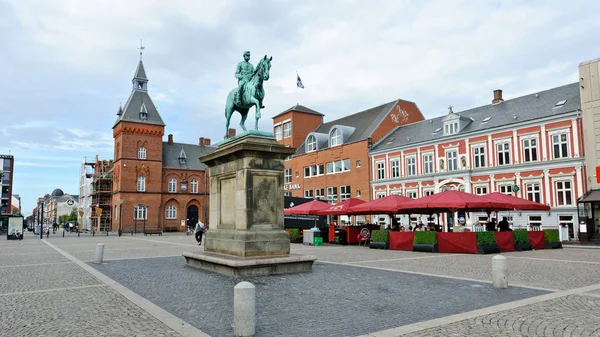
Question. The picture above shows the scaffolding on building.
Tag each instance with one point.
(101, 193)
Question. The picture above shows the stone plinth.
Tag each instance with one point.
(246, 208)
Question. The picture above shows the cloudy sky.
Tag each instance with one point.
(66, 65)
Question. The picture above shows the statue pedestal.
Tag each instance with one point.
(246, 235)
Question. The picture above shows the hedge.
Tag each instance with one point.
(425, 237)
(551, 235)
(294, 233)
(380, 236)
(486, 239)
(521, 236)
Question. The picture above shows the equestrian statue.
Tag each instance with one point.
(250, 91)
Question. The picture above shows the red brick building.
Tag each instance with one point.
(156, 184)
(332, 159)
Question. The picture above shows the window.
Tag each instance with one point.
(141, 184)
(278, 132)
(330, 168)
(287, 176)
(345, 193)
(338, 166)
(452, 158)
(306, 171)
(451, 128)
(567, 221)
(320, 193)
(287, 194)
(481, 190)
(529, 150)
(287, 129)
(411, 194)
(335, 138)
(533, 192)
(313, 171)
(346, 165)
(140, 212)
(358, 163)
(171, 212)
(505, 189)
(503, 153)
(559, 142)
(428, 163)
(535, 220)
(395, 166)
(142, 153)
(311, 144)
(379, 195)
(308, 193)
(411, 166)
(380, 170)
(332, 195)
(172, 185)
(563, 193)
(428, 192)
(194, 186)
(479, 156)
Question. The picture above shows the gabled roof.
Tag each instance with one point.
(364, 124)
(300, 108)
(140, 72)
(172, 153)
(520, 109)
(140, 101)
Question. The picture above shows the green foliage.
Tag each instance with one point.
(294, 233)
(551, 235)
(73, 215)
(520, 236)
(426, 238)
(380, 236)
(15, 212)
(486, 238)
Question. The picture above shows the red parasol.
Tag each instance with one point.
(307, 208)
(386, 205)
(518, 204)
(341, 208)
(453, 200)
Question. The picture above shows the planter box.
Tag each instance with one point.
(379, 245)
(519, 247)
(423, 247)
(488, 249)
(552, 245)
(297, 240)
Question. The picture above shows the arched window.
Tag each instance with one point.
(141, 184)
(171, 212)
(142, 153)
(194, 186)
(172, 185)
(335, 138)
(311, 144)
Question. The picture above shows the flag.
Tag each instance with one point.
(299, 82)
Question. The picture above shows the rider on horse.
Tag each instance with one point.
(243, 73)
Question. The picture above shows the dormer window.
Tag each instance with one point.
(143, 112)
(182, 157)
(335, 138)
(451, 128)
(311, 144)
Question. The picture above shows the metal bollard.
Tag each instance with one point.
(499, 272)
(63, 233)
(48, 233)
(132, 232)
(107, 232)
(244, 309)
(99, 253)
(93, 233)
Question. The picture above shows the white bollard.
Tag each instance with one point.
(99, 253)
(499, 272)
(244, 309)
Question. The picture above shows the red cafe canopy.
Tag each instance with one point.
(453, 200)
(386, 205)
(341, 208)
(519, 204)
(307, 208)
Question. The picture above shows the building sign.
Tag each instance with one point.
(291, 187)
(70, 202)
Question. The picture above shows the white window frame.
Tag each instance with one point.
(141, 184)
(428, 161)
(479, 155)
(194, 186)
(533, 188)
(308, 193)
(287, 176)
(171, 212)
(411, 165)
(528, 148)
(505, 188)
(319, 193)
(452, 163)
(172, 187)
(331, 196)
(428, 192)
(311, 143)
(346, 165)
(141, 153)
(506, 148)
(564, 191)
(278, 132)
(534, 222)
(336, 135)
(560, 144)
(330, 168)
(480, 189)
(345, 192)
(379, 194)
(380, 169)
(395, 167)
(140, 212)
(287, 129)
(412, 194)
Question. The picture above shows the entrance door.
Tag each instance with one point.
(192, 215)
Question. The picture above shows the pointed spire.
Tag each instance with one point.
(140, 72)
(120, 112)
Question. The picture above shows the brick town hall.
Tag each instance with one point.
(156, 185)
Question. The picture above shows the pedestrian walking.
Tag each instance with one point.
(200, 229)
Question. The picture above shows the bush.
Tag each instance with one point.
(521, 236)
(294, 233)
(426, 238)
(380, 236)
(486, 239)
(551, 235)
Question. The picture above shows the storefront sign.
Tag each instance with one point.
(291, 187)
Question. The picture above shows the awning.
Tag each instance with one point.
(590, 196)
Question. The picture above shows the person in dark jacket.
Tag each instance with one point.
(503, 225)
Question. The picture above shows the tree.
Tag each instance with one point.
(73, 215)
(16, 212)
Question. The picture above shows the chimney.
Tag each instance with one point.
(497, 96)
(201, 142)
(170, 139)
(206, 141)
(230, 132)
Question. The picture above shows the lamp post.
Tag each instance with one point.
(120, 217)
(98, 214)
(42, 222)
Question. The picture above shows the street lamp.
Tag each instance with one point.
(120, 217)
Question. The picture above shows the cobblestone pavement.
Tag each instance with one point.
(37, 279)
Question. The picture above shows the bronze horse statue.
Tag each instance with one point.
(253, 95)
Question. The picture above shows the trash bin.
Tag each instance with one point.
(340, 237)
(316, 233)
(308, 237)
(318, 241)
